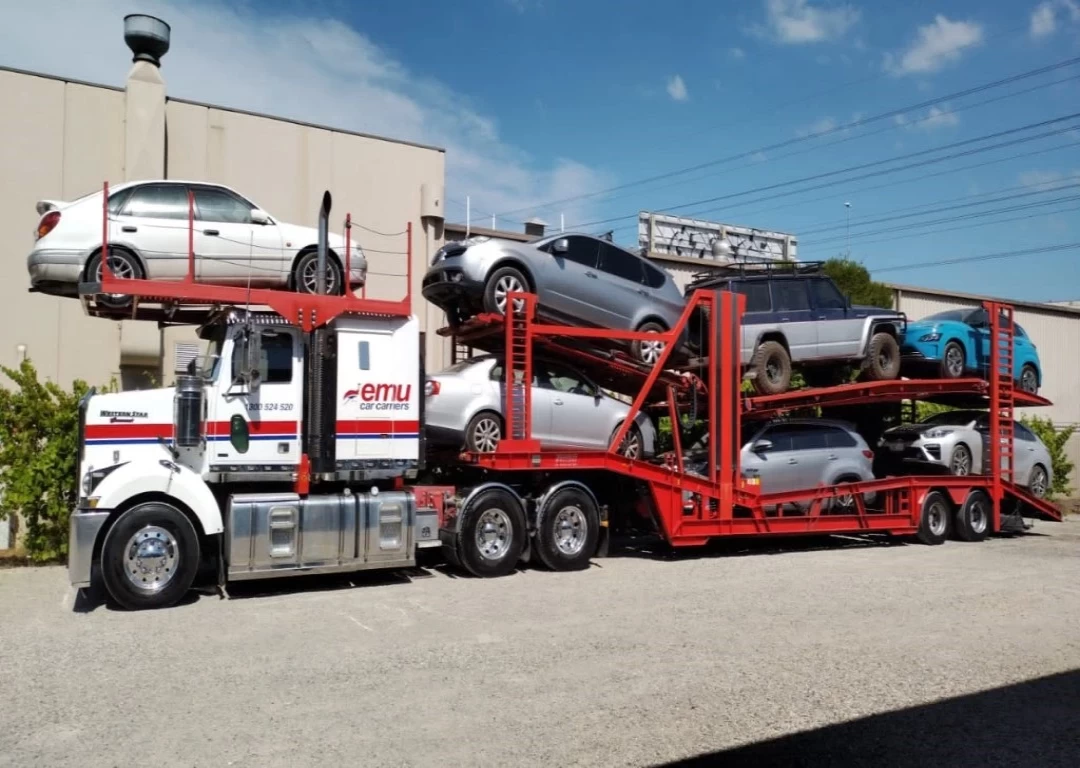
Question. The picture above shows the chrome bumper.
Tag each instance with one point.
(84, 530)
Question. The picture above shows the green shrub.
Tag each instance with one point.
(1055, 440)
(39, 453)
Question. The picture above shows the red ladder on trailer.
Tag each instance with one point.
(520, 312)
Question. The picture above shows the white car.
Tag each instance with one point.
(463, 408)
(235, 241)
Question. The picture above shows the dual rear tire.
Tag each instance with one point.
(491, 535)
(971, 521)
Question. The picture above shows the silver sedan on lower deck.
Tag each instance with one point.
(464, 409)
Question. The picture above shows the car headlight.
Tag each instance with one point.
(938, 433)
(930, 337)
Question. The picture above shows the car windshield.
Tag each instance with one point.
(951, 418)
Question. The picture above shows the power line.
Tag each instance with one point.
(981, 257)
(799, 139)
(863, 166)
(982, 224)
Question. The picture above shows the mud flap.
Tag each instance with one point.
(604, 541)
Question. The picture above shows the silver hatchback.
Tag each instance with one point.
(578, 279)
(464, 409)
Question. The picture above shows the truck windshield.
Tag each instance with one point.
(206, 366)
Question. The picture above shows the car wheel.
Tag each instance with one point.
(1039, 482)
(972, 522)
(567, 530)
(960, 461)
(648, 352)
(500, 284)
(934, 519)
(771, 367)
(491, 536)
(484, 432)
(843, 505)
(883, 357)
(1029, 379)
(305, 275)
(150, 556)
(953, 362)
(123, 265)
(633, 445)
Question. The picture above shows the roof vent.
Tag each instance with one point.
(147, 37)
(535, 227)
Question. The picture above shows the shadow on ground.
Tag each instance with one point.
(1035, 723)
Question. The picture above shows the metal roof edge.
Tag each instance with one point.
(1033, 305)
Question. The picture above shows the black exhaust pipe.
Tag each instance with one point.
(322, 370)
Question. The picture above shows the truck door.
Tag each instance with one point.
(257, 429)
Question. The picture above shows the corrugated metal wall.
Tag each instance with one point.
(1057, 336)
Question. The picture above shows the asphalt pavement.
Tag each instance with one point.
(823, 652)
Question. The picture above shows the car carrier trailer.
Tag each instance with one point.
(299, 448)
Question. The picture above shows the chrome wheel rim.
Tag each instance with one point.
(650, 351)
(845, 503)
(493, 534)
(1038, 483)
(486, 435)
(504, 286)
(954, 361)
(150, 558)
(1027, 381)
(961, 462)
(631, 447)
(121, 268)
(936, 518)
(570, 530)
(309, 277)
(977, 516)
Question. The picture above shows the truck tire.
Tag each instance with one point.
(567, 530)
(883, 357)
(972, 522)
(771, 366)
(935, 518)
(150, 556)
(491, 536)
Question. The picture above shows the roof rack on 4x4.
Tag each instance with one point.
(755, 269)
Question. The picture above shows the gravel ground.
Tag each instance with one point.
(814, 654)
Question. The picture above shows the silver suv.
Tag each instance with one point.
(578, 279)
(800, 454)
(795, 315)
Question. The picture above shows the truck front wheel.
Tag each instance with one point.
(150, 556)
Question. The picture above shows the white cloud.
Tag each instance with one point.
(1046, 180)
(737, 53)
(797, 21)
(937, 44)
(934, 118)
(676, 89)
(310, 68)
(823, 125)
(1044, 19)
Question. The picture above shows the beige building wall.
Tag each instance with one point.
(58, 140)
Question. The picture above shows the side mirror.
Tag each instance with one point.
(246, 354)
(259, 216)
(763, 446)
(562, 245)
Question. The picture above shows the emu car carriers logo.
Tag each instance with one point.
(380, 397)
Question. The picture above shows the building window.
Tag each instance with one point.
(139, 377)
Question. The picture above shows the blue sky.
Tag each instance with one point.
(543, 105)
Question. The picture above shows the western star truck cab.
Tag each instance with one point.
(208, 470)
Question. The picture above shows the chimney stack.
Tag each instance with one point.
(147, 37)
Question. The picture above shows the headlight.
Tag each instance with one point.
(88, 481)
(930, 337)
(936, 433)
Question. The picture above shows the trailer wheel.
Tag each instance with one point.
(567, 530)
(491, 537)
(934, 519)
(150, 556)
(972, 522)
